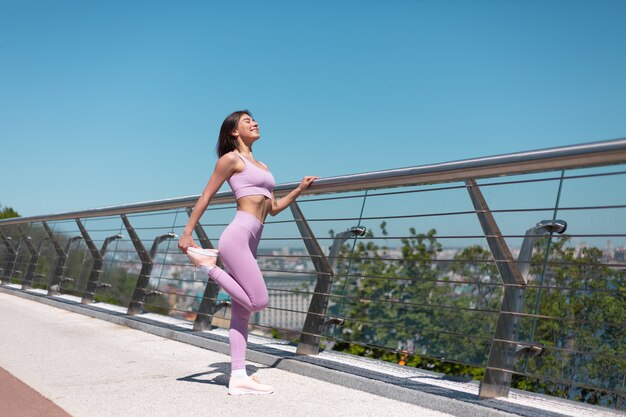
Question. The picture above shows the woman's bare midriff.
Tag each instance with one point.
(257, 205)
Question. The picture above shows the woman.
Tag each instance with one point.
(252, 183)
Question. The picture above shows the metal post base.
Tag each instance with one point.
(489, 390)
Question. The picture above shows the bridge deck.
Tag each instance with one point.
(91, 367)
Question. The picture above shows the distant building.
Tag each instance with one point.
(620, 255)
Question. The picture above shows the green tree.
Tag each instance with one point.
(582, 322)
(441, 315)
(8, 212)
(405, 307)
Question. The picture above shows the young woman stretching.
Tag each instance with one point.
(252, 183)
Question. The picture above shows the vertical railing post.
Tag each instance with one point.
(11, 258)
(27, 282)
(143, 280)
(314, 322)
(54, 284)
(504, 347)
(497, 380)
(18, 256)
(93, 283)
(316, 315)
(208, 305)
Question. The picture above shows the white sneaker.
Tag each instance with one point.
(202, 257)
(248, 386)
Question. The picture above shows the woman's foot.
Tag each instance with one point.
(248, 386)
(202, 257)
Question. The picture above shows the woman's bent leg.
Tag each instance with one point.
(234, 289)
(244, 282)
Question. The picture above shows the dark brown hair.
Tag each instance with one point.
(226, 142)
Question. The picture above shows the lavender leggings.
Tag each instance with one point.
(244, 284)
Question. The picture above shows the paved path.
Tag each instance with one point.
(92, 368)
(18, 399)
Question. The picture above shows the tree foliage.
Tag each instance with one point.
(7, 213)
(582, 321)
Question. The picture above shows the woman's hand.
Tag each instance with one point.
(186, 241)
(306, 182)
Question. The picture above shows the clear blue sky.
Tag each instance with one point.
(112, 102)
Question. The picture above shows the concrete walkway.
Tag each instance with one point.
(91, 368)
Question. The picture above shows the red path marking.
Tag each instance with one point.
(19, 400)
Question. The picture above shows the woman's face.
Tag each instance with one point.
(247, 129)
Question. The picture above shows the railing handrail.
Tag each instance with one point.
(583, 155)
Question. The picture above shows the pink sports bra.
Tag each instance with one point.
(251, 181)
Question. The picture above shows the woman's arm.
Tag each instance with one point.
(282, 203)
(224, 168)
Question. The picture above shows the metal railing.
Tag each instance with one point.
(504, 278)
